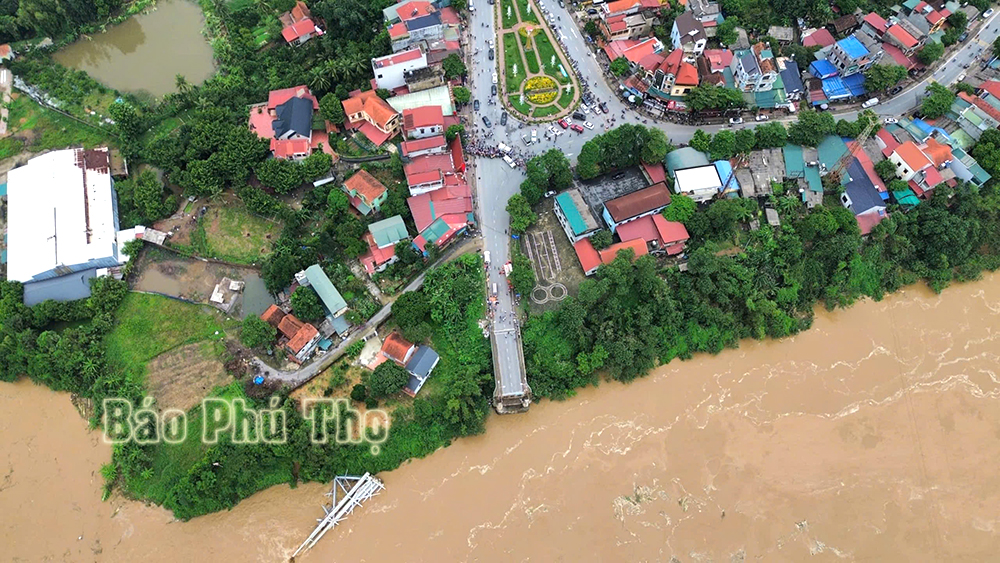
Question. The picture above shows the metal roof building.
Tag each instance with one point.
(328, 294)
(574, 215)
(62, 223)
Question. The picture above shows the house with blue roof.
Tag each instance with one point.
(574, 215)
(850, 56)
(822, 68)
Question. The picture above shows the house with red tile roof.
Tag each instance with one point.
(630, 207)
(441, 214)
(381, 239)
(591, 259)
(299, 339)
(901, 38)
(422, 122)
(372, 116)
(923, 166)
(633, 22)
(6, 52)
(821, 37)
(420, 147)
(679, 76)
(299, 25)
(365, 192)
(397, 348)
(874, 24)
(432, 171)
(653, 173)
(632, 49)
(390, 70)
(286, 120)
(657, 233)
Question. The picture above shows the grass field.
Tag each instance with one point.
(546, 111)
(9, 147)
(526, 15)
(515, 100)
(48, 130)
(545, 52)
(234, 234)
(532, 61)
(512, 56)
(566, 98)
(508, 22)
(149, 325)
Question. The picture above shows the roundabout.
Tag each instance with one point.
(537, 83)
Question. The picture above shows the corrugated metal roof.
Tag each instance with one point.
(334, 302)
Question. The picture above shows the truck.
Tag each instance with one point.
(486, 257)
(510, 161)
(870, 103)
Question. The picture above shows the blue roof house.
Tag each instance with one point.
(850, 56)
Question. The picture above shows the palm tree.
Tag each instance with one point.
(183, 86)
(319, 79)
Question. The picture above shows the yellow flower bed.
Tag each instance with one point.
(540, 83)
(544, 98)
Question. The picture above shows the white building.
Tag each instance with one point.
(389, 70)
(700, 183)
(62, 224)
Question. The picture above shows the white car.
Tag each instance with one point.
(735, 120)
(491, 43)
(495, 79)
(761, 117)
(588, 125)
(890, 120)
(585, 108)
(988, 13)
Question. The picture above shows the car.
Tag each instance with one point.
(576, 128)
(475, 105)
(551, 130)
(592, 12)
(492, 54)
(735, 120)
(618, 176)
(895, 90)
(550, 194)
(988, 13)
(761, 117)
(503, 118)
(963, 37)
(588, 125)
(561, 4)
(534, 135)
(890, 120)
(579, 116)
(491, 43)
(586, 108)
(495, 78)
(960, 78)
(870, 103)
(493, 89)
(603, 106)
(563, 124)
(486, 122)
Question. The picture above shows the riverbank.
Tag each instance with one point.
(869, 436)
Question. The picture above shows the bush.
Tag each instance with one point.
(386, 379)
(359, 392)
(255, 333)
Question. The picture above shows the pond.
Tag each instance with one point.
(256, 298)
(146, 52)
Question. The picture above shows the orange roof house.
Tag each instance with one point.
(372, 116)
(273, 316)
(365, 192)
(299, 25)
(397, 348)
(286, 120)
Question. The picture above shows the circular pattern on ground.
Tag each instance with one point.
(554, 292)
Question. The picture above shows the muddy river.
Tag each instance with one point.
(872, 437)
(146, 52)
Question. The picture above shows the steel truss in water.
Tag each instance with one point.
(348, 492)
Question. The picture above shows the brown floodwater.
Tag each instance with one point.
(146, 52)
(872, 437)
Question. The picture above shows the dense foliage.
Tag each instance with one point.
(620, 148)
(386, 379)
(255, 333)
(710, 96)
(937, 101)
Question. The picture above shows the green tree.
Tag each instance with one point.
(879, 78)
(590, 28)
(723, 145)
(811, 127)
(601, 239)
(386, 379)
(931, 52)
(847, 129)
(306, 304)
(656, 147)
(746, 139)
(411, 310)
(337, 203)
(522, 276)
(316, 165)
(886, 170)
(521, 215)
(726, 33)
(280, 174)
(331, 109)
(454, 131)
(620, 67)
(453, 66)
(701, 141)
(359, 392)
(710, 96)
(771, 135)
(127, 120)
(588, 162)
(255, 333)
(681, 209)
(958, 20)
(141, 201)
(938, 101)
(462, 95)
